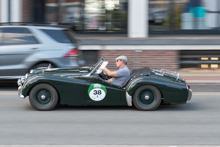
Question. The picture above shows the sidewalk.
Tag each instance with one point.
(200, 75)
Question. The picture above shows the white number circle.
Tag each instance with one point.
(97, 94)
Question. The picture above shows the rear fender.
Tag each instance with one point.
(138, 82)
(171, 92)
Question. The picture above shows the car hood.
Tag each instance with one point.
(61, 71)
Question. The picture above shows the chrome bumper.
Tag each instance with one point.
(129, 99)
(189, 95)
(20, 92)
(20, 84)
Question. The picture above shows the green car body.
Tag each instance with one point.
(74, 87)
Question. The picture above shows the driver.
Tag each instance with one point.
(122, 74)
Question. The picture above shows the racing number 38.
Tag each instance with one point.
(97, 92)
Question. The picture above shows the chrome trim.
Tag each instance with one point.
(19, 82)
(83, 71)
(189, 95)
(23, 80)
(163, 72)
(26, 76)
(85, 67)
(21, 96)
(43, 97)
(20, 92)
(51, 69)
(147, 97)
(129, 99)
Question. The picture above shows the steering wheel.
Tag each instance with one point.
(104, 76)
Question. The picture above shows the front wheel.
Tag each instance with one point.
(147, 98)
(43, 97)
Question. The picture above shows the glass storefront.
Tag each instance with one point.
(106, 15)
(158, 15)
(110, 16)
(89, 15)
(172, 15)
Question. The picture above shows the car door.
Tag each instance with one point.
(100, 92)
(16, 45)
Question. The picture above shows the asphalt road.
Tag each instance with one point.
(194, 123)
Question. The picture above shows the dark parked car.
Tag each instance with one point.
(146, 88)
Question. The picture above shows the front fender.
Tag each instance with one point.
(31, 82)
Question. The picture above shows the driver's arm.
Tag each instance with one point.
(110, 73)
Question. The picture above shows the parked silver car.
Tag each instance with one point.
(23, 48)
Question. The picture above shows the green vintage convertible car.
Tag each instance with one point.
(146, 89)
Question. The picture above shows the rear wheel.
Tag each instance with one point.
(147, 98)
(43, 97)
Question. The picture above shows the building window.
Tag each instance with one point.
(89, 15)
(172, 15)
(106, 15)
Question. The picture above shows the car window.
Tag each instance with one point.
(15, 36)
(72, 35)
(58, 35)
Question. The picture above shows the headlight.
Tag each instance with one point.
(32, 71)
(26, 76)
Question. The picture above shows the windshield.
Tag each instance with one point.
(101, 59)
(95, 67)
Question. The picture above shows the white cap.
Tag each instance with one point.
(124, 58)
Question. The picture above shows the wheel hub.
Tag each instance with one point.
(43, 97)
(147, 97)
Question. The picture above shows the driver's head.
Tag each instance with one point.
(121, 61)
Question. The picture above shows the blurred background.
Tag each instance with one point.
(170, 34)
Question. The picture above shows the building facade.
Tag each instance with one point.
(137, 20)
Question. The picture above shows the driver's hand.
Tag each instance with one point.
(109, 80)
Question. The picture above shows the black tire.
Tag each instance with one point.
(43, 65)
(43, 97)
(147, 98)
